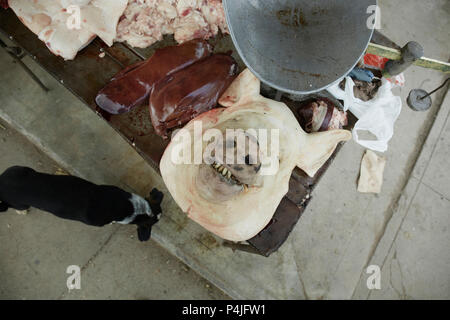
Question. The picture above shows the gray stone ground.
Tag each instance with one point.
(404, 230)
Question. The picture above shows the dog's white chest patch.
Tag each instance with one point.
(140, 206)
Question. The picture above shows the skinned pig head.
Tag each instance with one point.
(233, 185)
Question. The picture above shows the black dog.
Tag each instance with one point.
(73, 198)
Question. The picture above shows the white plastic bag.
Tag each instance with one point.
(377, 116)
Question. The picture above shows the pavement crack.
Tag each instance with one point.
(399, 294)
(435, 191)
(92, 258)
(401, 276)
(402, 295)
(299, 273)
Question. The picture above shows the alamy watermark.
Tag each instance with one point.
(374, 280)
(235, 147)
(74, 20)
(74, 280)
(374, 20)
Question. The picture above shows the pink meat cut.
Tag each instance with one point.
(48, 19)
(146, 21)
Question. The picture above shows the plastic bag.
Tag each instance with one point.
(377, 116)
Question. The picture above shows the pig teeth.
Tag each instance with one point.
(224, 172)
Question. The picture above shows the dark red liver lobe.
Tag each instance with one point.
(131, 87)
(181, 96)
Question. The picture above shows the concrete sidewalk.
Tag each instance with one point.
(37, 248)
(414, 250)
(340, 234)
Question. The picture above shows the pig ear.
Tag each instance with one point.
(244, 87)
(318, 149)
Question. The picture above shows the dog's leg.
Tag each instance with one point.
(155, 199)
(144, 232)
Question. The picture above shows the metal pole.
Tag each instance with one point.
(15, 53)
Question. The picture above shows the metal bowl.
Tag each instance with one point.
(301, 46)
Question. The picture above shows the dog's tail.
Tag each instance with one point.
(3, 206)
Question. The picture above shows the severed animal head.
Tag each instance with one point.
(231, 184)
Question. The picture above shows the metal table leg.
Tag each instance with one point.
(18, 54)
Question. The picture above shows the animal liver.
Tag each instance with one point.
(181, 96)
(132, 86)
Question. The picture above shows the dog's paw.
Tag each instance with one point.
(22, 212)
(144, 233)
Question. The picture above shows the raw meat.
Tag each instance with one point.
(321, 115)
(146, 21)
(48, 19)
(131, 87)
(181, 96)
